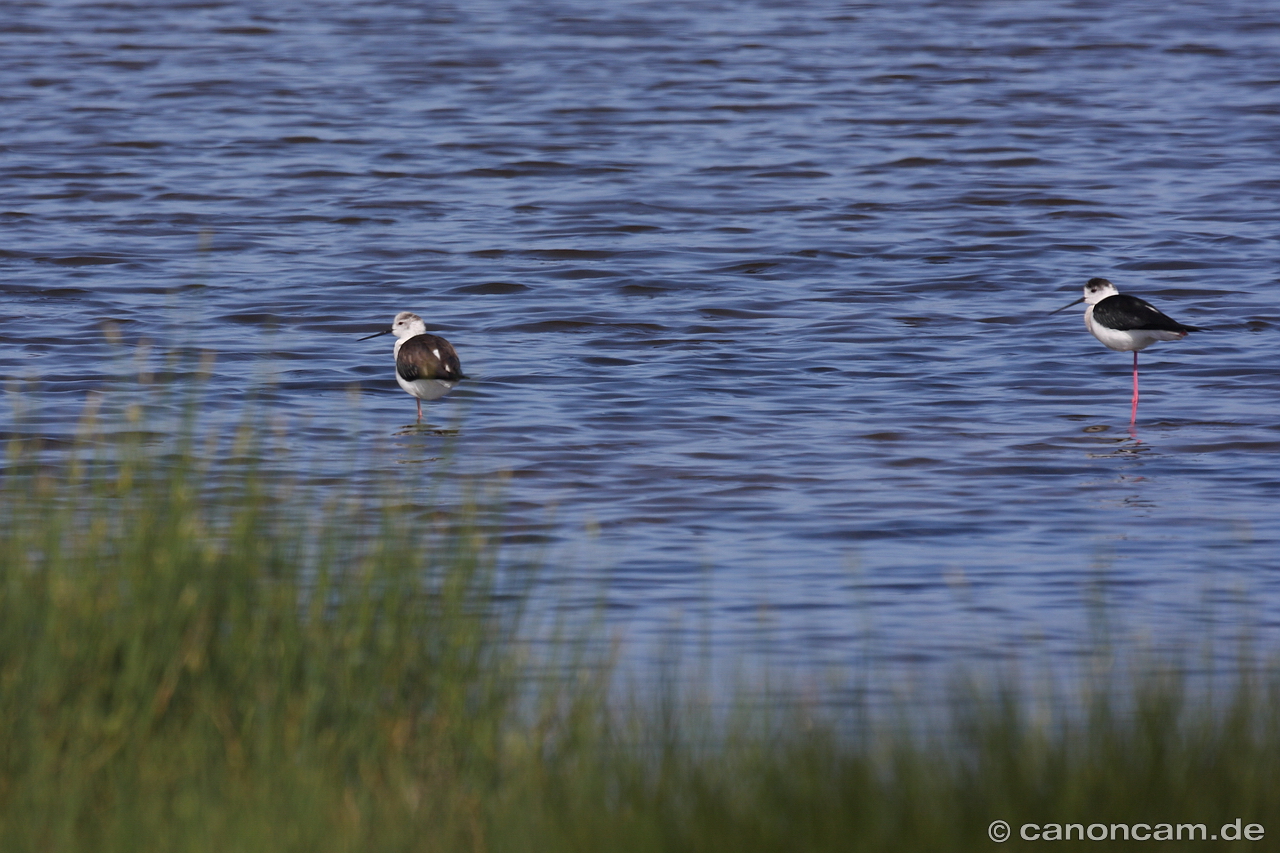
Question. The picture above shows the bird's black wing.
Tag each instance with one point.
(428, 357)
(1127, 313)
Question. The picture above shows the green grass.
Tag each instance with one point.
(198, 656)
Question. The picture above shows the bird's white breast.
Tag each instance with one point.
(425, 389)
(1126, 341)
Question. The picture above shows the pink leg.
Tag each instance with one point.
(1135, 403)
(1133, 416)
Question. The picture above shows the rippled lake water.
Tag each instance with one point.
(755, 297)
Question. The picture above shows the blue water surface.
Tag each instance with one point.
(755, 297)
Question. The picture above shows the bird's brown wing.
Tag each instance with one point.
(428, 357)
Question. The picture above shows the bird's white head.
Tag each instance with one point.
(1095, 290)
(407, 324)
(1098, 289)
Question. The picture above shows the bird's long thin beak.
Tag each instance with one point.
(1065, 307)
(376, 334)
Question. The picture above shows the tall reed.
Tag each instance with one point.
(198, 654)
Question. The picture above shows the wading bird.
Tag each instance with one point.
(1126, 324)
(427, 366)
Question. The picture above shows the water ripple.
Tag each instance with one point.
(759, 295)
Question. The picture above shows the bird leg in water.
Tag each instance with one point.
(1133, 416)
